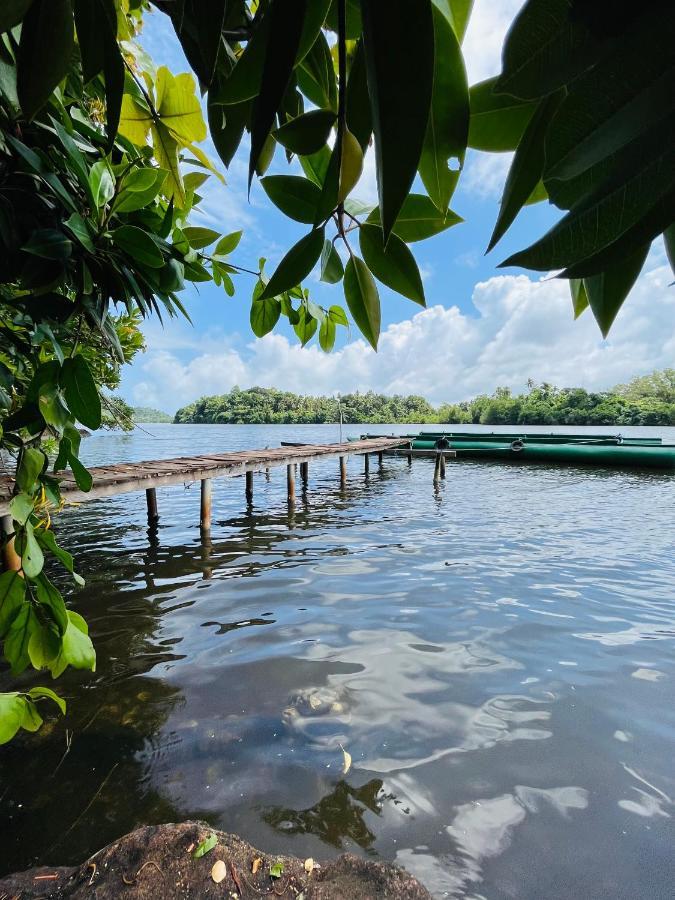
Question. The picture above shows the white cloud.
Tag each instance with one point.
(522, 328)
(484, 37)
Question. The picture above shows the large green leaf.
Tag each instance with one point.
(327, 334)
(12, 711)
(636, 201)
(226, 125)
(12, 593)
(264, 315)
(460, 13)
(307, 133)
(43, 58)
(316, 76)
(295, 196)
(547, 47)
(11, 13)
(362, 299)
(497, 122)
(77, 649)
(17, 638)
(96, 23)
(400, 66)
(393, 264)
(32, 557)
(31, 464)
(418, 220)
(286, 23)
(49, 243)
(138, 244)
(80, 391)
(526, 168)
(296, 264)
(332, 269)
(448, 127)
(606, 292)
(622, 97)
(358, 113)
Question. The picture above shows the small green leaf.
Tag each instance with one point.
(43, 647)
(264, 315)
(17, 638)
(101, 183)
(139, 245)
(362, 299)
(277, 870)
(32, 558)
(82, 476)
(296, 264)
(77, 649)
(400, 66)
(21, 507)
(48, 693)
(305, 327)
(418, 220)
(295, 196)
(50, 597)
(205, 846)
(31, 464)
(80, 391)
(12, 593)
(332, 269)
(337, 314)
(394, 265)
(497, 121)
(12, 710)
(228, 243)
(579, 296)
(307, 133)
(79, 228)
(327, 334)
(199, 237)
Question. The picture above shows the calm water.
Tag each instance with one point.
(496, 654)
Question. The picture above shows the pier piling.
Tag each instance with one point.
(290, 482)
(151, 499)
(205, 507)
(249, 487)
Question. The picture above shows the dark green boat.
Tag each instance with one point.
(569, 449)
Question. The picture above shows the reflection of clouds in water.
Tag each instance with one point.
(482, 830)
(648, 674)
(403, 692)
(641, 632)
(649, 804)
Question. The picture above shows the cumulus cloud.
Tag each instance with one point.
(520, 328)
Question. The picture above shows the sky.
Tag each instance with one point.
(483, 326)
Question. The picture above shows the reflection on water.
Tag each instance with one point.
(495, 652)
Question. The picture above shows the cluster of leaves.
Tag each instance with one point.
(586, 99)
(270, 406)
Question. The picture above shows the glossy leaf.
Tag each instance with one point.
(460, 13)
(305, 327)
(295, 196)
(363, 299)
(286, 23)
(82, 476)
(332, 269)
(337, 314)
(17, 638)
(606, 292)
(77, 649)
(316, 76)
(226, 125)
(138, 244)
(393, 264)
(351, 165)
(497, 122)
(228, 243)
(526, 168)
(327, 334)
(448, 127)
(264, 315)
(12, 710)
(400, 66)
(80, 391)
(358, 114)
(31, 464)
(579, 296)
(49, 243)
(307, 133)
(40, 693)
(418, 220)
(47, 36)
(12, 593)
(32, 557)
(296, 264)
(200, 237)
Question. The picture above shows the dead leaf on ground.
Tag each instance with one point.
(309, 865)
(219, 871)
(255, 866)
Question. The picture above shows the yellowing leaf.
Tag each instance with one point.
(351, 164)
(347, 760)
(178, 106)
(135, 121)
(219, 871)
(205, 160)
(255, 866)
(166, 154)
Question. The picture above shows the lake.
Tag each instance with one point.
(496, 653)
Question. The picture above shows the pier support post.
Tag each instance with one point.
(11, 561)
(366, 463)
(437, 467)
(151, 498)
(380, 459)
(205, 506)
(343, 470)
(442, 464)
(290, 482)
(304, 474)
(249, 487)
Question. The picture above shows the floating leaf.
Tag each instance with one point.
(346, 760)
(205, 846)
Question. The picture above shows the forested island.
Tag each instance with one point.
(146, 414)
(648, 400)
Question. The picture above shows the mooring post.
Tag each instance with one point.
(343, 470)
(151, 497)
(267, 473)
(366, 463)
(380, 459)
(290, 481)
(304, 474)
(11, 561)
(410, 454)
(249, 487)
(442, 464)
(205, 507)
(437, 466)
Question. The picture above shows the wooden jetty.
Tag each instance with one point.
(124, 478)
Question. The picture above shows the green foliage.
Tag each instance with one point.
(147, 414)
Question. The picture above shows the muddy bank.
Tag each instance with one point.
(158, 863)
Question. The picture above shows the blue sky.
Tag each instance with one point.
(483, 326)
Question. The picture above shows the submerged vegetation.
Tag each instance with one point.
(648, 400)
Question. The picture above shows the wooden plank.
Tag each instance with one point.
(110, 480)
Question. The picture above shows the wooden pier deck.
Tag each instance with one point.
(147, 476)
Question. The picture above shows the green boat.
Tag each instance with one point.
(568, 449)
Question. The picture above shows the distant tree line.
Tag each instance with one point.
(648, 400)
(148, 414)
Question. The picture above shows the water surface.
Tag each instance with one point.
(496, 654)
